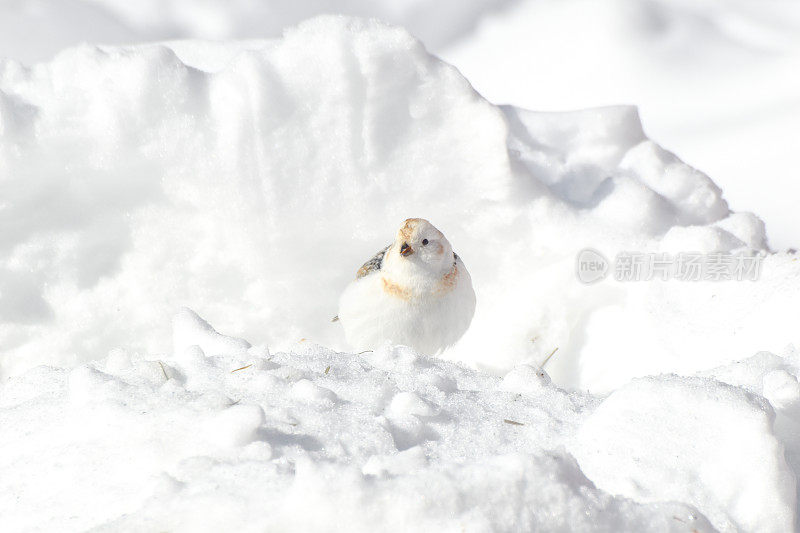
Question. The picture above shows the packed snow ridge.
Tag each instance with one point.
(224, 435)
(248, 181)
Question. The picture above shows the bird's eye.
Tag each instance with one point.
(424, 242)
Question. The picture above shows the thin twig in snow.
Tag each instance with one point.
(548, 357)
(163, 370)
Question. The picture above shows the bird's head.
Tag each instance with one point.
(419, 244)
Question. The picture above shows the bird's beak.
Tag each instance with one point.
(406, 250)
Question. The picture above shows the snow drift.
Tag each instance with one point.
(224, 435)
(715, 81)
(248, 181)
(221, 434)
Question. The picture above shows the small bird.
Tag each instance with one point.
(416, 292)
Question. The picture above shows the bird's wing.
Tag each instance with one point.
(373, 264)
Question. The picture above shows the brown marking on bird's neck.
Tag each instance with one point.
(448, 281)
(393, 289)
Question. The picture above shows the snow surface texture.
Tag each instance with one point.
(222, 435)
(716, 81)
(251, 186)
(249, 182)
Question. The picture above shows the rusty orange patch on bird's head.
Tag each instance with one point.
(395, 290)
(407, 231)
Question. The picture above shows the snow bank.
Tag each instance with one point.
(249, 181)
(716, 81)
(231, 437)
(691, 440)
(251, 185)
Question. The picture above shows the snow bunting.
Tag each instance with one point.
(416, 292)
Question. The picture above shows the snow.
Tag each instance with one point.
(146, 186)
(321, 440)
(249, 193)
(692, 440)
(715, 81)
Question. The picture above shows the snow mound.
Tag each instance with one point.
(133, 184)
(692, 440)
(310, 440)
(716, 81)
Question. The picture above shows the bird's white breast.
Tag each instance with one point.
(426, 316)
